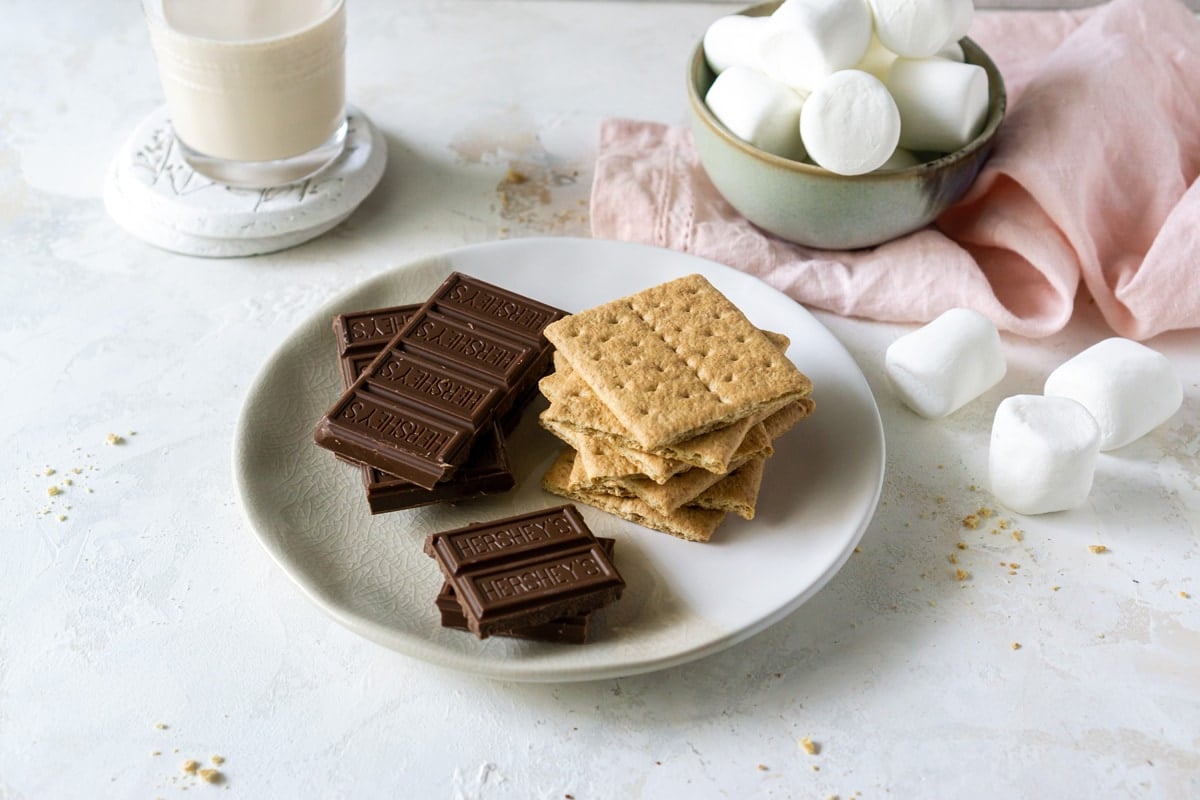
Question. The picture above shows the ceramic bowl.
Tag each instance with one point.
(808, 205)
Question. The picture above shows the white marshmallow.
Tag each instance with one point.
(849, 124)
(952, 52)
(915, 28)
(809, 40)
(941, 366)
(1129, 388)
(734, 41)
(758, 109)
(964, 15)
(943, 104)
(900, 159)
(877, 60)
(1043, 452)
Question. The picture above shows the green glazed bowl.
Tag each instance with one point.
(808, 205)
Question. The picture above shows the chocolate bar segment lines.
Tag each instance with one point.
(360, 336)
(525, 570)
(457, 364)
(573, 629)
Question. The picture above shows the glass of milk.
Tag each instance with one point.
(256, 89)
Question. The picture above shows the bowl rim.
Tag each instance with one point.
(997, 107)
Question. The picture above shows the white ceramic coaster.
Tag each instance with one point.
(157, 197)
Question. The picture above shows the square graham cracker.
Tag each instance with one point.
(574, 405)
(677, 360)
(692, 524)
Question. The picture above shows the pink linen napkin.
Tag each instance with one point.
(1093, 178)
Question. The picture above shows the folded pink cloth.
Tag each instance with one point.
(1093, 178)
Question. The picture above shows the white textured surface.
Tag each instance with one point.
(152, 602)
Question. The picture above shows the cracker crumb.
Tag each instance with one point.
(62, 517)
(1055, 588)
(810, 747)
(961, 545)
(49, 471)
(190, 766)
(113, 438)
(210, 775)
(162, 726)
(54, 491)
(953, 558)
(1019, 535)
(156, 752)
(961, 574)
(1016, 645)
(1097, 548)
(218, 760)
(1185, 595)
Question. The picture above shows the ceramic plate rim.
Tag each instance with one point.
(857, 519)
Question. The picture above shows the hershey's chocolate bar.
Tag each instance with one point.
(460, 362)
(525, 570)
(572, 629)
(360, 336)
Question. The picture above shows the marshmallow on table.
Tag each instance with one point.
(943, 365)
(809, 40)
(849, 124)
(919, 28)
(758, 109)
(1043, 452)
(943, 104)
(734, 41)
(1129, 388)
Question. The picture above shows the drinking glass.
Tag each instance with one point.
(255, 89)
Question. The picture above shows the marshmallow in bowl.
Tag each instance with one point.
(734, 40)
(850, 124)
(900, 159)
(877, 60)
(917, 28)
(809, 40)
(943, 104)
(758, 109)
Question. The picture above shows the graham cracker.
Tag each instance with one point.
(736, 492)
(692, 524)
(679, 491)
(574, 405)
(601, 458)
(676, 361)
(786, 418)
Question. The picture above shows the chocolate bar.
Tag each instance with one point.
(569, 630)
(360, 336)
(459, 363)
(487, 471)
(525, 570)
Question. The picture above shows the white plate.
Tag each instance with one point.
(682, 600)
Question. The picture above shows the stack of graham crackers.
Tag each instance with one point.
(669, 401)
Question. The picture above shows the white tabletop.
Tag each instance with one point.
(142, 624)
